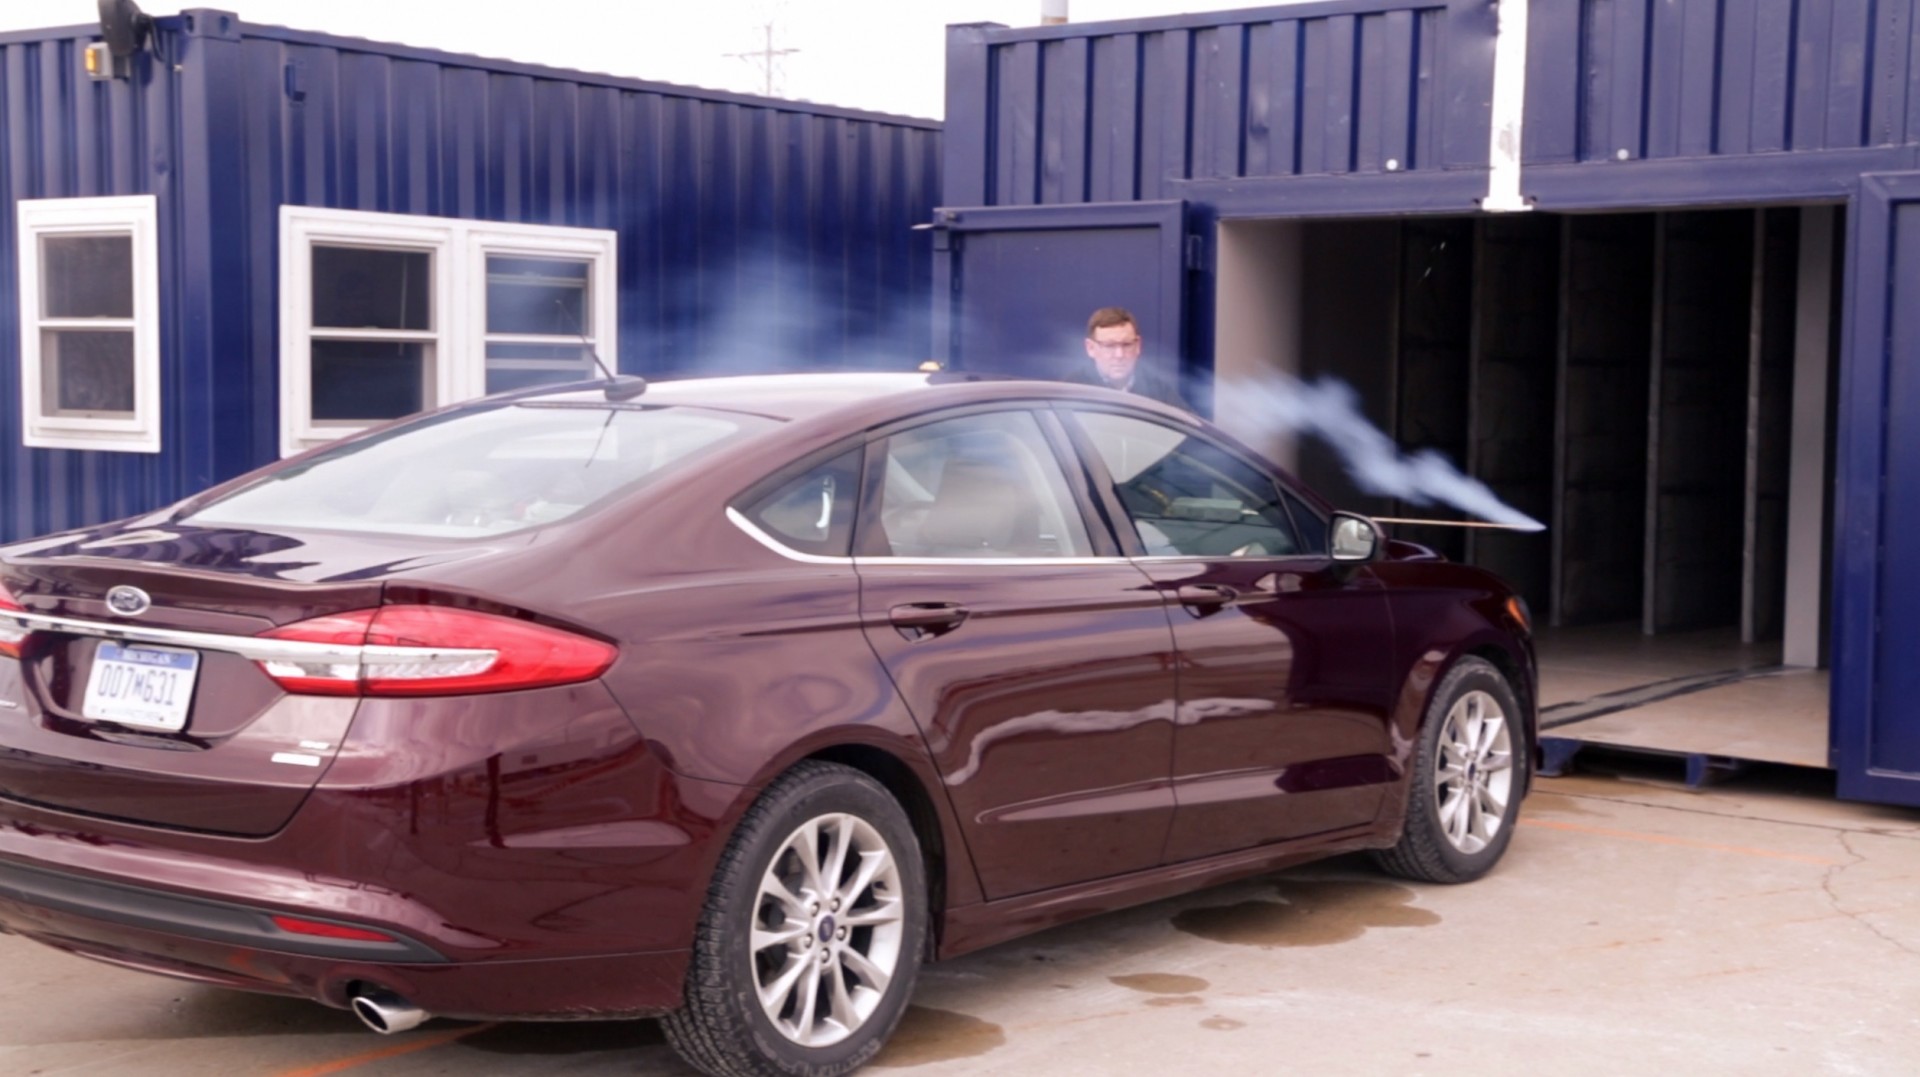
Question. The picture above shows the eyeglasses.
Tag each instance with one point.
(1113, 345)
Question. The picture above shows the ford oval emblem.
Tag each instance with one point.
(128, 601)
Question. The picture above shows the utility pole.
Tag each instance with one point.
(766, 56)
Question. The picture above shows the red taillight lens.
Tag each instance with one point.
(12, 636)
(433, 651)
(295, 926)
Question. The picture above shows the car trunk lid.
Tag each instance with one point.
(139, 714)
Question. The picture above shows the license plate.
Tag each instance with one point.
(149, 687)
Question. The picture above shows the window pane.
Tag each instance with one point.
(518, 366)
(1187, 496)
(483, 470)
(361, 380)
(813, 513)
(86, 276)
(358, 288)
(979, 486)
(505, 381)
(538, 296)
(86, 371)
(540, 353)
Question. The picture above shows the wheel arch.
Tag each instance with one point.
(905, 786)
(1524, 691)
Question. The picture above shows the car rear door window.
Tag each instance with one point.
(979, 486)
(811, 513)
(1188, 497)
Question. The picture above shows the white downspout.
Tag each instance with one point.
(1509, 109)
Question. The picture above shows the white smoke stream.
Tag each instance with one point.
(1330, 410)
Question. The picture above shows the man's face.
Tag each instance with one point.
(1115, 350)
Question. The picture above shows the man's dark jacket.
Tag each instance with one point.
(1147, 382)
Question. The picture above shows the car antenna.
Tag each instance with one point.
(619, 386)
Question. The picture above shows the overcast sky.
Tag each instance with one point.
(886, 55)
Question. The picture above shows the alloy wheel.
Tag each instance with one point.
(1473, 782)
(827, 929)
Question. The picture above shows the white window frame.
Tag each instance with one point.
(458, 334)
(137, 216)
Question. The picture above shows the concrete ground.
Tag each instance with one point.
(1759, 927)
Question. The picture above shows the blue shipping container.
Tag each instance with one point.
(751, 232)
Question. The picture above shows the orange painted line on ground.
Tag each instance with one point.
(1663, 839)
(424, 1043)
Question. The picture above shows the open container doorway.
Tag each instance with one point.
(1656, 387)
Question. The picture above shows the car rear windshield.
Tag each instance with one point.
(483, 471)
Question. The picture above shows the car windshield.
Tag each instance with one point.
(486, 471)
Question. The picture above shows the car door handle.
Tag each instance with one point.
(917, 620)
(1201, 599)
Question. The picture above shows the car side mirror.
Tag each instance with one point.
(1355, 539)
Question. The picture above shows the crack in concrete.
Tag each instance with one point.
(1833, 898)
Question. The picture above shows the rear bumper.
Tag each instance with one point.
(518, 855)
(240, 926)
(229, 944)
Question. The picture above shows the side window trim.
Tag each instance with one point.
(1128, 537)
(1118, 522)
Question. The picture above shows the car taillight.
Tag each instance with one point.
(432, 651)
(12, 636)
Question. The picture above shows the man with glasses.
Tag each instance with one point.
(1113, 344)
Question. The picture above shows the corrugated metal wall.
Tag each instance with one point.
(1692, 78)
(63, 135)
(719, 200)
(1117, 111)
(1142, 109)
(751, 235)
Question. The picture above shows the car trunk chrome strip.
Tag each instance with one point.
(253, 647)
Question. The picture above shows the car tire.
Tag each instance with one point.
(782, 980)
(1470, 771)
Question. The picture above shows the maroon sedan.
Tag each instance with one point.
(728, 700)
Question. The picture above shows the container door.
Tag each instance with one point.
(1013, 286)
(1876, 682)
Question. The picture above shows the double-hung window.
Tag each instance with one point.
(385, 315)
(90, 323)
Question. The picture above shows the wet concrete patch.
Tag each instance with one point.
(1309, 913)
(1161, 983)
(929, 1035)
(1165, 1001)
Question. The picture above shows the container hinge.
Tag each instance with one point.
(1196, 253)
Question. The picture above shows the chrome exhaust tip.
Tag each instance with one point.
(385, 1012)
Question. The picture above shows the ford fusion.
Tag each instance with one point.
(727, 701)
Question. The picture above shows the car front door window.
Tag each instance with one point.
(1187, 497)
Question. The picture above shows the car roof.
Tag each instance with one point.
(804, 396)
